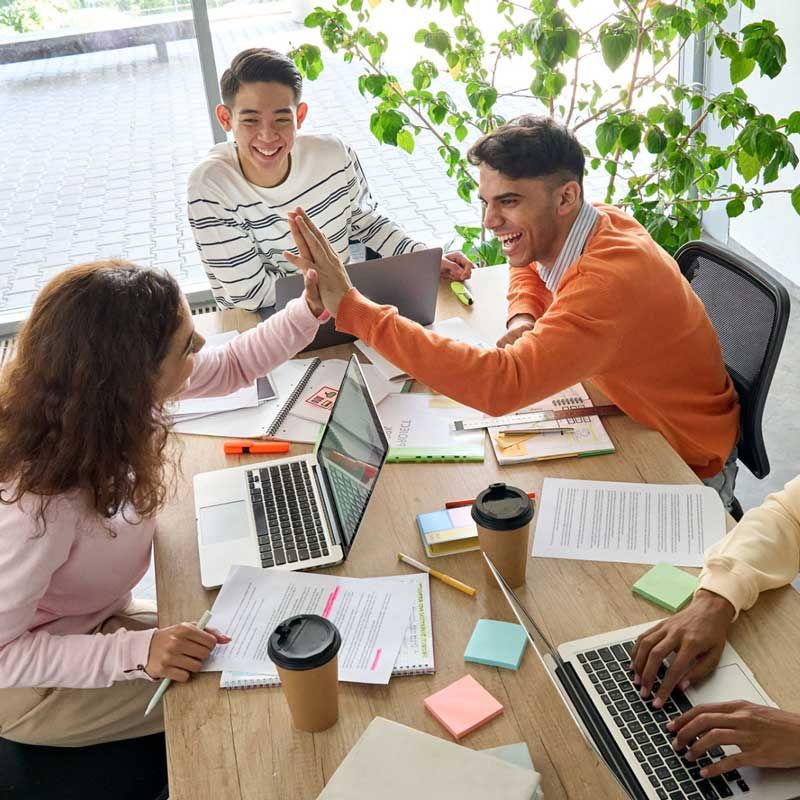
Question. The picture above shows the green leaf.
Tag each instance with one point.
(793, 123)
(735, 207)
(606, 137)
(615, 47)
(741, 67)
(674, 122)
(656, 114)
(796, 198)
(405, 141)
(554, 83)
(315, 19)
(461, 132)
(631, 136)
(309, 61)
(655, 141)
(747, 165)
(757, 202)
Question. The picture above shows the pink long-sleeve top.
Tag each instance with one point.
(57, 586)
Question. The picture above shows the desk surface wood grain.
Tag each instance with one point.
(240, 745)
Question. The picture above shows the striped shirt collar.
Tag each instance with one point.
(573, 247)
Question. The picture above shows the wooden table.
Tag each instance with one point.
(241, 744)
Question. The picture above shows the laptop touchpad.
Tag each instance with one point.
(727, 683)
(224, 522)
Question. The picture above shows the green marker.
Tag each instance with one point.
(461, 292)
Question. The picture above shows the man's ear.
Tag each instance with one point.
(569, 197)
(302, 110)
(223, 116)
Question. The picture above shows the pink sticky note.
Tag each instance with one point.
(463, 706)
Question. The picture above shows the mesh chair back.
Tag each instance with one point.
(749, 310)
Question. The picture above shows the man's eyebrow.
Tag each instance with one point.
(243, 111)
(501, 197)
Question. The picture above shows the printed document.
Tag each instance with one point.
(635, 523)
(371, 615)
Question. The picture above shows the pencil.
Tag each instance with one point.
(462, 587)
(167, 681)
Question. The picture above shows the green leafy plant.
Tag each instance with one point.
(646, 128)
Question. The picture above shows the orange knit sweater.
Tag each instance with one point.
(622, 317)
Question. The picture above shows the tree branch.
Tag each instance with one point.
(574, 93)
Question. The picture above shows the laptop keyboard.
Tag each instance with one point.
(671, 776)
(288, 523)
(351, 496)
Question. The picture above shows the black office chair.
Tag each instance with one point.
(133, 769)
(750, 311)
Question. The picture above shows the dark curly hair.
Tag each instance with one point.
(531, 147)
(78, 405)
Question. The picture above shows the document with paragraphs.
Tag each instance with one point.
(635, 523)
(371, 615)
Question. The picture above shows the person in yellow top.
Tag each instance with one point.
(762, 552)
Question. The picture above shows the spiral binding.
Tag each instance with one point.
(293, 397)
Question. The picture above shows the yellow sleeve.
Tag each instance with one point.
(762, 552)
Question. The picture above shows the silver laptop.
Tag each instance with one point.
(295, 513)
(628, 735)
(409, 282)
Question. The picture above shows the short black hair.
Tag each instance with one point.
(531, 147)
(260, 64)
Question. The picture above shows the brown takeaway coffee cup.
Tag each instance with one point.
(305, 650)
(503, 516)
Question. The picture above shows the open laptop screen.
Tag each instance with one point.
(352, 451)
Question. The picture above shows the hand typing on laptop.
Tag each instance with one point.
(696, 635)
(767, 737)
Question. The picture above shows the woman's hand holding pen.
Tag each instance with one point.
(315, 255)
(179, 650)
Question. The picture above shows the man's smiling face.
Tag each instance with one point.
(264, 118)
(523, 213)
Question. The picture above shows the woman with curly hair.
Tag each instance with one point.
(84, 467)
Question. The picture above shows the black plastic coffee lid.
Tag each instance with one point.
(304, 642)
(502, 508)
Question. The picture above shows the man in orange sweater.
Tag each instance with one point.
(591, 297)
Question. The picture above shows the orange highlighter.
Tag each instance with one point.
(245, 447)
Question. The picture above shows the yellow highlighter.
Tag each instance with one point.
(462, 293)
(462, 587)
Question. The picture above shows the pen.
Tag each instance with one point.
(462, 587)
(462, 503)
(167, 681)
(531, 431)
(246, 446)
(462, 293)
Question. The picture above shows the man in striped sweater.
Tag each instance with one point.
(239, 195)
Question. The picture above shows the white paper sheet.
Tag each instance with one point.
(629, 522)
(372, 617)
(454, 328)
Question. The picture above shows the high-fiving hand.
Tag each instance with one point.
(315, 255)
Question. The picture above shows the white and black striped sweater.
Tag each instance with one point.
(241, 229)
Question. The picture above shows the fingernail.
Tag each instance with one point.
(644, 693)
(636, 679)
(670, 726)
(704, 772)
(685, 685)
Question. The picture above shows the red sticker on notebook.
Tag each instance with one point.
(323, 398)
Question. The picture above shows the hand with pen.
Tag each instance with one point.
(179, 650)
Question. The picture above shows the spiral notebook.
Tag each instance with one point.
(416, 652)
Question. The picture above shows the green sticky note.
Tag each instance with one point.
(666, 586)
(498, 644)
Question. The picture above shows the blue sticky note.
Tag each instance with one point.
(434, 521)
(498, 644)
